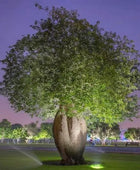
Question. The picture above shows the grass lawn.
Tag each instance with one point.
(25, 159)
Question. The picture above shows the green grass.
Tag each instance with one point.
(15, 160)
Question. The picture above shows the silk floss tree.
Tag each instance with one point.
(69, 69)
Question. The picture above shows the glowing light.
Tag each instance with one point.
(97, 166)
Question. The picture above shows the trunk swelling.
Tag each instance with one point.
(70, 138)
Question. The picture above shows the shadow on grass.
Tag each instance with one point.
(58, 163)
(52, 164)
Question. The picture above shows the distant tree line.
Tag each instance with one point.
(103, 133)
(31, 132)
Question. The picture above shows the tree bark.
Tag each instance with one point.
(70, 138)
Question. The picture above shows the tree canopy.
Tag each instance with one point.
(5, 123)
(71, 63)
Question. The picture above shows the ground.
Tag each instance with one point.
(30, 156)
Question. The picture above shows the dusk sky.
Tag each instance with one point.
(16, 16)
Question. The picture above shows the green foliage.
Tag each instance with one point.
(5, 132)
(30, 131)
(5, 123)
(103, 131)
(19, 133)
(42, 135)
(5, 129)
(70, 63)
(132, 133)
(48, 128)
(11, 131)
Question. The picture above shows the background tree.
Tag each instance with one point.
(132, 134)
(5, 129)
(16, 126)
(66, 67)
(32, 129)
(103, 131)
(47, 127)
(19, 133)
(5, 124)
(5, 133)
(42, 134)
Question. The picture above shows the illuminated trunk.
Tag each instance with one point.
(103, 141)
(70, 138)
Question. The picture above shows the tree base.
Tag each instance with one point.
(73, 162)
(60, 163)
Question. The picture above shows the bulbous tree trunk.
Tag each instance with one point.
(70, 138)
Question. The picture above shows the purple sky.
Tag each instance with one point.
(120, 16)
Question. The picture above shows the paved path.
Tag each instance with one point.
(109, 149)
(97, 149)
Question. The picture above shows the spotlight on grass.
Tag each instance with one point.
(97, 166)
